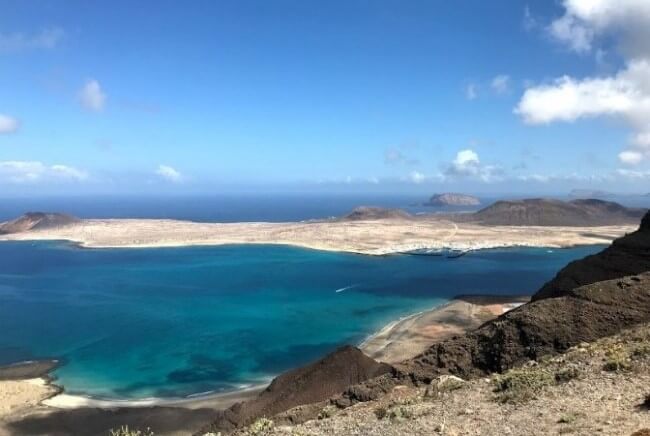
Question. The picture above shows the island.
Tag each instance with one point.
(371, 231)
(452, 199)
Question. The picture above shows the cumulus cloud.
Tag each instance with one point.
(91, 96)
(8, 124)
(417, 177)
(624, 95)
(467, 164)
(45, 39)
(500, 84)
(170, 174)
(22, 172)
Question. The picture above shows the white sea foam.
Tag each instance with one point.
(345, 288)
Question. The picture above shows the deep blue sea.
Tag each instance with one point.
(167, 322)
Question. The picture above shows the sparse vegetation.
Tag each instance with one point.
(400, 413)
(327, 412)
(569, 418)
(567, 374)
(381, 412)
(520, 385)
(126, 431)
(261, 427)
(641, 351)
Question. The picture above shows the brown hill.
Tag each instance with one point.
(36, 221)
(310, 384)
(626, 256)
(370, 213)
(549, 212)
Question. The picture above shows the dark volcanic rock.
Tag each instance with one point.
(549, 212)
(375, 213)
(626, 256)
(310, 384)
(542, 327)
(37, 221)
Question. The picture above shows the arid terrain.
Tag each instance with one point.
(374, 237)
(592, 389)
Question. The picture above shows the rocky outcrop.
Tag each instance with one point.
(543, 327)
(368, 213)
(549, 212)
(37, 221)
(564, 313)
(307, 385)
(626, 256)
(451, 199)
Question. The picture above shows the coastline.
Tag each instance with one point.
(372, 237)
(398, 340)
(411, 335)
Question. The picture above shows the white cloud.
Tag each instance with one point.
(67, 172)
(586, 20)
(471, 91)
(466, 161)
(91, 96)
(170, 174)
(22, 172)
(467, 164)
(8, 124)
(501, 84)
(417, 177)
(45, 39)
(625, 95)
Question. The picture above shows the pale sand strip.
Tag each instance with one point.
(211, 400)
(18, 395)
(364, 237)
(412, 335)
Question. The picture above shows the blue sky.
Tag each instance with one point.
(376, 96)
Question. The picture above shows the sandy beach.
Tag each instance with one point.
(372, 237)
(412, 335)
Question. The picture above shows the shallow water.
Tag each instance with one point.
(165, 322)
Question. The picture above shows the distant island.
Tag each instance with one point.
(551, 212)
(365, 230)
(452, 199)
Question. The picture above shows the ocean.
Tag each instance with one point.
(239, 207)
(169, 322)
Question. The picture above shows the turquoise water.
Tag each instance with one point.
(133, 323)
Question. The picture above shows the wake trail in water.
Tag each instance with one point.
(345, 288)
